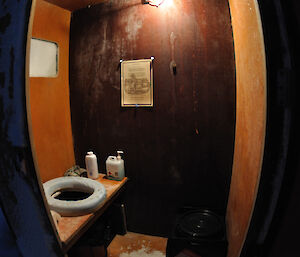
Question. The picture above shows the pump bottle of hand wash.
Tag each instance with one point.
(115, 167)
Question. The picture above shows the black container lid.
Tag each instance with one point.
(201, 224)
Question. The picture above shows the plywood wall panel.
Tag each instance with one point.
(49, 97)
(179, 152)
(250, 119)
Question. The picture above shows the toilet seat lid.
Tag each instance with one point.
(79, 207)
(201, 224)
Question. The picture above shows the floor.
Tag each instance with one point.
(137, 245)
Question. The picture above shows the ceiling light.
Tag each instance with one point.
(153, 2)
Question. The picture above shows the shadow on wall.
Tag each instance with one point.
(8, 247)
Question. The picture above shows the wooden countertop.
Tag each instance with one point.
(71, 228)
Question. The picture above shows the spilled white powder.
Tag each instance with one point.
(143, 252)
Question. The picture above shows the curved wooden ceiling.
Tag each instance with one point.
(73, 5)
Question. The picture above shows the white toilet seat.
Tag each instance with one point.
(75, 208)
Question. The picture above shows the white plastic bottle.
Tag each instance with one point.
(115, 167)
(121, 165)
(91, 165)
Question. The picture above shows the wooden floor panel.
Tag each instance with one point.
(133, 244)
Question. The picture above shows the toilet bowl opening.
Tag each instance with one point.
(72, 194)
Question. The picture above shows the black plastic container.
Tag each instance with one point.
(198, 232)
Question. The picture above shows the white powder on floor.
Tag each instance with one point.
(143, 252)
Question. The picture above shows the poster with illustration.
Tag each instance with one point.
(137, 83)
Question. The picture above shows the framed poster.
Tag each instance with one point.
(137, 83)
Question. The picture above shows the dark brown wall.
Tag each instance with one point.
(179, 152)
